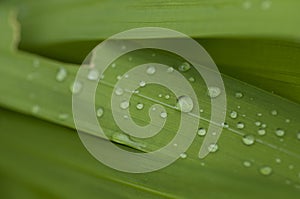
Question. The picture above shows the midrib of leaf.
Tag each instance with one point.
(19, 66)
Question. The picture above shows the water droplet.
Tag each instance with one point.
(140, 106)
(240, 125)
(163, 115)
(93, 75)
(239, 95)
(247, 5)
(202, 164)
(63, 116)
(151, 70)
(185, 66)
(119, 77)
(213, 148)
(124, 105)
(238, 107)
(261, 132)
(119, 91)
(76, 87)
(99, 112)
(123, 47)
(167, 96)
(298, 135)
(201, 110)
(113, 65)
(185, 104)
(233, 114)
(278, 160)
(287, 120)
(183, 155)
(159, 95)
(61, 74)
(263, 125)
(36, 63)
(259, 114)
(247, 164)
(291, 167)
(225, 125)
(170, 69)
(274, 112)
(279, 132)
(126, 76)
(142, 83)
(214, 92)
(266, 170)
(201, 131)
(265, 5)
(191, 79)
(35, 109)
(130, 59)
(257, 123)
(248, 140)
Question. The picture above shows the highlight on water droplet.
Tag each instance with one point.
(35, 109)
(257, 123)
(185, 104)
(76, 87)
(274, 112)
(163, 115)
(167, 96)
(93, 75)
(183, 155)
(99, 112)
(225, 125)
(261, 131)
(139, 106)
(119, 91)
(201, 132)
(247, 163)
(191, 79)
(266, 170)
(239, 95)
(248, 140)
(212, 148)
(185, 66)
(124, 105)
(151, 70)
(170, 69)
(278, 160)
(240, 125)
(142, 83)
(214, 91)
(61, 74)
(233, 114)
(279, 132)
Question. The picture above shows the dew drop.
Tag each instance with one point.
(248, 140)
(261, 132)
(233, 114)
(257, 123)
(185, 66)
(151, 70)
(93, 75)
(142, 84)
(214, 92)
(119, 77)
(247, 164)
(263, 125)
(183, 155)
(76, 87)
(259, 114)
(113, 65)
(247, 5)
(119, 91)
(239, 95)
(291, 167)
(287, 120)
(170, 69)
(265, 5)
(225, 125)
(212, 148)
(159, 95)
(278, 160)
(99, 112)
(139, 106)
(167, 96)
(298, 135)
(191, 79)
(61, 74)
(201, 132)
(274, 112)
(240, 125)
(163, 115)
(279, 132)
(124, 105)
(185, 103)
(35, 109)
(63, 116)
(266, 170)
